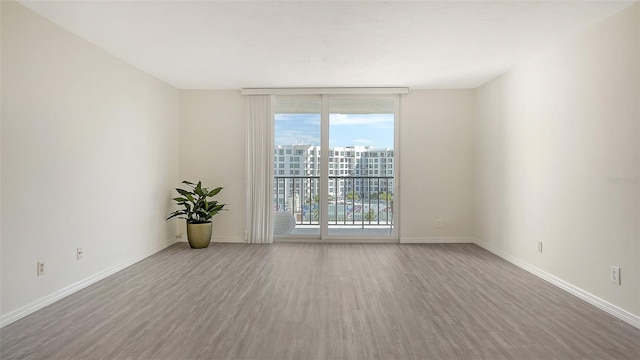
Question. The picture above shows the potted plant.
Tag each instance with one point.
(197, 211)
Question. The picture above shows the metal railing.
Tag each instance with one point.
(353, 200)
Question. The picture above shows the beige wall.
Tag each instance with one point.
(638, 111)
(557, 161)
(89, 156)
(436, 159)
(212, 149)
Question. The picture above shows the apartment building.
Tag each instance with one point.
(360, 170)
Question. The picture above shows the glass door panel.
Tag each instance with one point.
(361, 171)
(335, 167)
(296, 167)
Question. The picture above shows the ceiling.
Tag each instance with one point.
(243, 44)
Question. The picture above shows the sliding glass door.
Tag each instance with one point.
(296, 166)
(335, 167)
(361, 166)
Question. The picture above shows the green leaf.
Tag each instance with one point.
(197, 208)
(214, 192)
(183, 192)
(198, 189)
(176, 213)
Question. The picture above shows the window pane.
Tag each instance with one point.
(364, 131)
(297, 134)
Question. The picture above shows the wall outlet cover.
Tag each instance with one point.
(615, 275)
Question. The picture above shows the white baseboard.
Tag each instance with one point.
(228, 239)
(68, 290)
(220, 239)
(302, 240)
(437, 240)
(601, 304)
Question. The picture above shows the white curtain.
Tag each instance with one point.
(259, 169)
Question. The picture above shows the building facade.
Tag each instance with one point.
(355, 173)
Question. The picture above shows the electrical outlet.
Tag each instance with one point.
(40, 270)
(539, 246)
(615, 275)
(79, 253)
(439, 223)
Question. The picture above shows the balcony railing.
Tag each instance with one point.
(353, 200)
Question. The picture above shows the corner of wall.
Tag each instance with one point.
(602, 304)
(81, 146)
(559, 190)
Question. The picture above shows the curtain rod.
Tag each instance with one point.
(327, 91)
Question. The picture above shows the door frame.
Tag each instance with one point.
(324, 236)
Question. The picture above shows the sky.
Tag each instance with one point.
(344, 130)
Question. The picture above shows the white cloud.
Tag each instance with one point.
(362, 119)
(292, 137)
(307, 119)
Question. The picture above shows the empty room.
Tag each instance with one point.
(320, 180)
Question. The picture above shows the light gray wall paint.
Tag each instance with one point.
(638, 111)
(212, 149)
(89, 156)
(557, 161)
(436, 143)
(435, 158)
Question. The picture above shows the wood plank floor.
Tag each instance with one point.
(321, 301)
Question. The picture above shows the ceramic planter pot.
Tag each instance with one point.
(199, 235)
